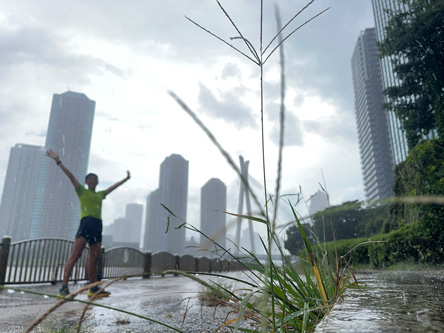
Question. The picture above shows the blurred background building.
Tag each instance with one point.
(372, 119)
(57, 208)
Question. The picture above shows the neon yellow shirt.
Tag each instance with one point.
(90, 202)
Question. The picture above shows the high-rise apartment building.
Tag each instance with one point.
(57, 211)
(20, 190)
(398, 139)
(133, 215)
(318, 202)
(160, 228)
(371, 117)
(154, 230)
(213, 203)
(173, 194)
(125, 231)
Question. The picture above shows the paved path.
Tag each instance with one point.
(392, 302)
(171, 300)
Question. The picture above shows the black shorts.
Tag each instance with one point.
(91, 229)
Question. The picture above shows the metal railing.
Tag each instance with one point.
(42, 261)
(38, 261)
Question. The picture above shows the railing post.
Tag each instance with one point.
(101, 264)
(177, 264)
(147, 266)
(4, 254)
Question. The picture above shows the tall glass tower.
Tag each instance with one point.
(173, 194)
(398, 139)
(213, 204)
(372, 120)
(20, 190)
(133, 215)
(154, 230)
(57, 208)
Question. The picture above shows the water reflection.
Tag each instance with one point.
(391, 302)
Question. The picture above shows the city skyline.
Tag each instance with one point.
(127, 63)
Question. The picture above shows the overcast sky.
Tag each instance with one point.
(126, 55)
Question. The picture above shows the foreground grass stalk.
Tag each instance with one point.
(287, 302)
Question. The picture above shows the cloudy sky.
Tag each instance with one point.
(126, 55)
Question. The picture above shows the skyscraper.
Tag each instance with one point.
(371, 117)
(20, 190)
(398, 139)
(153, 228)
(57, 211)
(133, 216)
(213, 204)
(173, 194)
(318, 202)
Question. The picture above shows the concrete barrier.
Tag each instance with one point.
(203, 265)
(187, 263)
(162, 261)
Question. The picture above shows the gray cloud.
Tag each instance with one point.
(35, 45)
(293, 134)
(230, 70)
(229, 107)
(339, 129)
(318, 56)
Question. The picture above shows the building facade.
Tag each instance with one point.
(20, 191)
(153, 228)
(161, 232)
(57, 208)
(134, 214)
(318, 202)
(173, 194)
(398, 139)
(372, 119)
(213, 204)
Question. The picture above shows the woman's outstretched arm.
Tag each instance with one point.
(55, 157)
(116, 185)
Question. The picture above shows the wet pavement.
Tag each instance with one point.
(390, 302)
(171, 300)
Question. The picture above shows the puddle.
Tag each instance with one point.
(391, 302)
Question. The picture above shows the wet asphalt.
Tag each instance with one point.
(173, 300)
(387, 302)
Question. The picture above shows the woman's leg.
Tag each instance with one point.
(79, 245)
(93, 261)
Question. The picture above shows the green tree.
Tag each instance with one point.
(294, 242)
(421, 174)
(344, 219)
(415, 42)
(349, 220)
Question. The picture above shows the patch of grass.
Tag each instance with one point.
(216, 295)
(122, 320)
(59, 326)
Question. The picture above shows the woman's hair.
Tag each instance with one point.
(90, 175)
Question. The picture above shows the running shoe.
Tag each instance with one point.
(101, 293)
